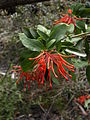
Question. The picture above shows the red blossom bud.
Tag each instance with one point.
(69, 11)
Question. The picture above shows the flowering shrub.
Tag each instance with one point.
(68, 18)
(50, 50)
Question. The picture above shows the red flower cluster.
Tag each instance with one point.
(82, 99)
(67, 18)
(45, 61)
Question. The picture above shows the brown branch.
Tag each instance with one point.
(86, 18)
(81, 108)
(69, 56)
(11, 3)
(82, 34)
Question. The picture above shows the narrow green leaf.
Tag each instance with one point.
(31, 44)
(77, 30)
(50, 43)
(58, 32)
(27, 32)
(34, 33)
(58, 46)
(70, 28)
(79, 45)
(66, 43)
(80, 24)
(43, 35)
(43, 29)
(75, 39)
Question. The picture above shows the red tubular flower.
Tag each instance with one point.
(21, 74)
(68, 18)
(53, 69)
(82, 99)
(45, 61)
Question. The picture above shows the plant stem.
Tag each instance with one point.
(82, 34)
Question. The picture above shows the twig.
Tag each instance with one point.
(78, 35)
(86, 18)
(54, 97)
(81, 108)
(82, 34)
(57, 95)
(70, 56)
(69, 102)
(49, 109)
(22, 116)
(42, 108)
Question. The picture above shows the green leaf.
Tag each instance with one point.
(66, 43)
(43, 29)
(75, 53)
(84, 12)
(31, 44)
(79, 45)
(80, 10)
(43, 35)
(63, 45)
(80, 24)
(76, 39)
(88, 73)
(51, 43)
(58, 46)
(24, 62)
(34, 33)
(27, 32)
(76, 7)
(70, 28)
(58, 31)
(77, 30)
